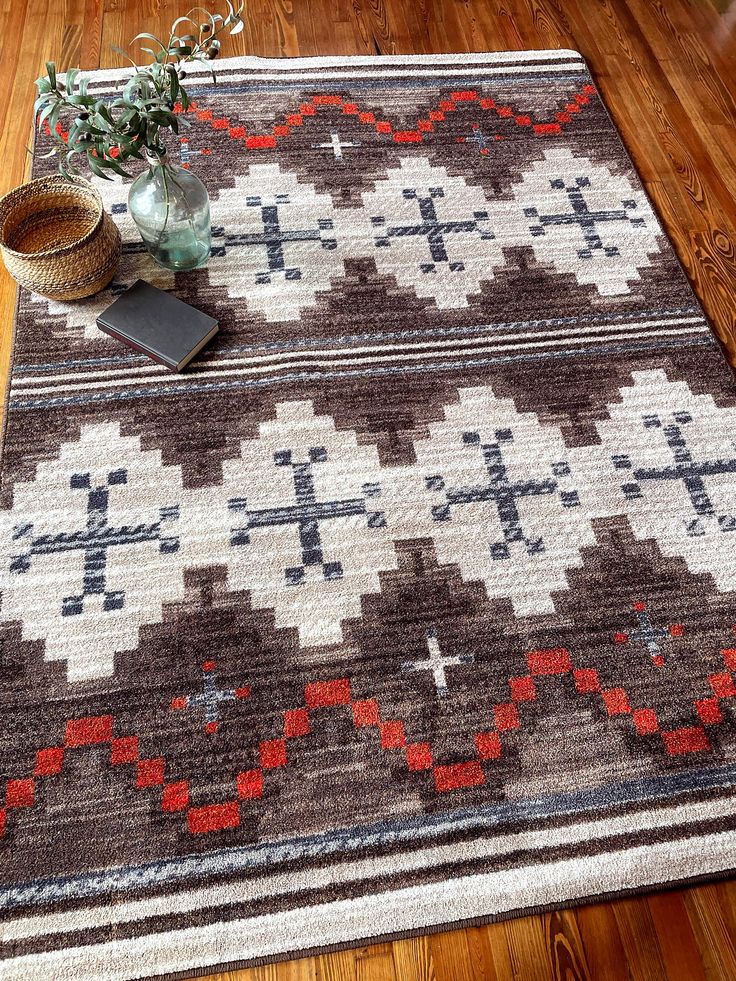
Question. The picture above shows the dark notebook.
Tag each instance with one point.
(158, 324)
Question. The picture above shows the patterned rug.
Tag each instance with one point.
(412, 602)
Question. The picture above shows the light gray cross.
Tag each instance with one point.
(336, 145)
(437, 662)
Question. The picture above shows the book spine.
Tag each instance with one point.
(136, 347)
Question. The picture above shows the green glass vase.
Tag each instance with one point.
(171, 209)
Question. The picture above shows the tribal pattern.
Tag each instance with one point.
(422, 576)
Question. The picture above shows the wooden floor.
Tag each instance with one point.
(667, 70)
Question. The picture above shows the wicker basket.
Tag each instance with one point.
(57, 239)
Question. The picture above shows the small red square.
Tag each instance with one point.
(237, 132)
(458, 775)
(677, 630)
(214, 817)
(616, 701)
(150, 772)
(419, 756)
(306, 109)
(124, 750)
(722, 685)
(523, 120)
(488, 745)
(367, 117)
(249, 784)
(296, 119)
(645, 721)
(487, 104)
(556, 661)
(392, 735)
(296, 723)
(383, 127)
(323, 694)
(506, 716)
(639, 607)
(709, 710)
(436, 115)
(685, 740)
(92, 729)
(350, 109)
(447, 106)
(20, 793)
(586, 680)
(366, 713)
(523, 689)
(620, 638)
(49, 761)
(243, 692)
(425, 125)
(729, 656)
(179, 703)
(273, 753)
(505, 112)
(175, 796)
(280, 131)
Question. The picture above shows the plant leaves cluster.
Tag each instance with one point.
(106, 132)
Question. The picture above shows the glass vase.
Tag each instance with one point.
(171, 208)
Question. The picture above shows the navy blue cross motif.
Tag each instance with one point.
(306, 515)
(95, 540)
(582, 216)
(273, 238)
(501, 491)
(693, 474)
(431, 228)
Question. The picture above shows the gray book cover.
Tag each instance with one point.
(158, 324)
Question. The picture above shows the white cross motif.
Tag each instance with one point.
(437, 662)
(335, 144)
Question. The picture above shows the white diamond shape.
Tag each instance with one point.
(56, 534)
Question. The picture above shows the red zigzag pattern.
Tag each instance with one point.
(265, 141)
(318, 695)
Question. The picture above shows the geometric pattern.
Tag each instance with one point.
(306, 518)
(674, 455)
(585, 220)
(295, 497)
(488, 745)
(420, 576)
(499, 498)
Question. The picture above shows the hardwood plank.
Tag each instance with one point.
(602, 943)
(639, 940)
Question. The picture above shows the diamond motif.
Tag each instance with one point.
(92, 548)
(432, 231)
(307, 532)
(683, 497)
(499, 499)
(585, 220)
(273, 242)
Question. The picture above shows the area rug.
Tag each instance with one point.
(411, 603)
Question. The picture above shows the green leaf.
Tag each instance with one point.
(184, 98)
(149, 37)
(51, 69)
(71, 76)
(94, 165)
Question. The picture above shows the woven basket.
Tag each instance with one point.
(57, 239)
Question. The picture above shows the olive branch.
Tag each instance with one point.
(109, 131)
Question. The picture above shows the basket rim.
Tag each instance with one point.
(49, 182)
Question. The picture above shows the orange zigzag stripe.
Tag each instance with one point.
(249, 784)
